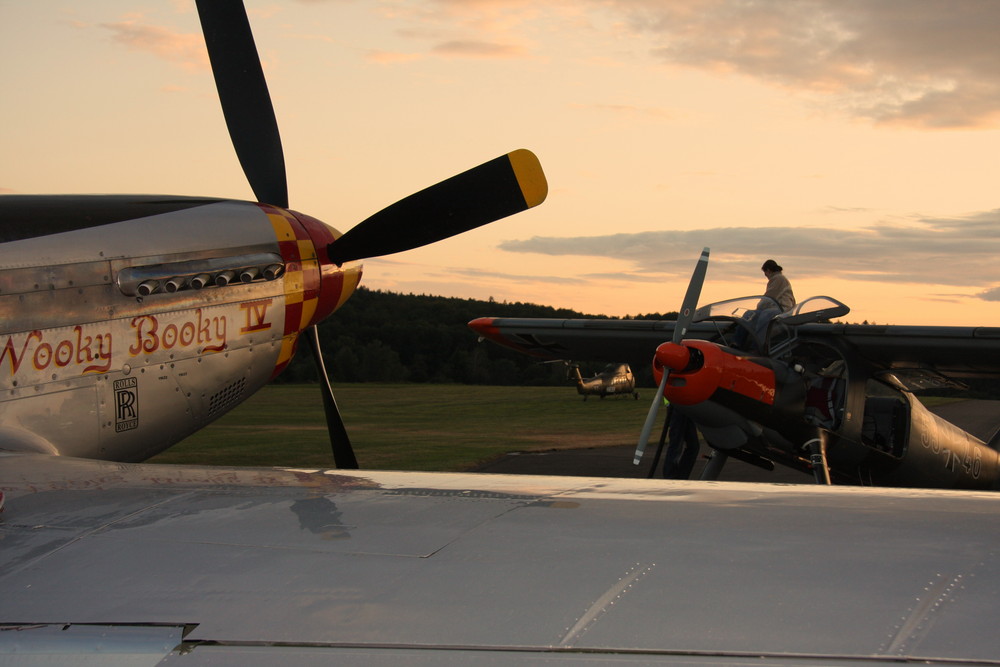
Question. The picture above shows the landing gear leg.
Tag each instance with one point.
(817, 456)
(714, 466)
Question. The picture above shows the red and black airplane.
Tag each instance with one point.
(793, 388)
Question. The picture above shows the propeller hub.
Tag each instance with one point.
(323, 281)
(673, 356)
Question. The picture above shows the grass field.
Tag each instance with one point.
(411, 426)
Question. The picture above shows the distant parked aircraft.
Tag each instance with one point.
(614, 380)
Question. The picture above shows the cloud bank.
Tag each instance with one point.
(186, 50)
(931, 64)
(921, 63)
(920, 253)
(927, 63)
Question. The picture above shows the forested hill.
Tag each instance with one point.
(388, 337)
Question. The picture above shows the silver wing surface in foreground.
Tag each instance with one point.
(182, 565)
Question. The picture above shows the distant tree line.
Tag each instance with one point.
(379, 336)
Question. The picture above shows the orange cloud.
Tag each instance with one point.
(922, 64)
(186, 50)
(391, 57)
(476, 49)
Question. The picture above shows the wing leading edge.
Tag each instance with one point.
(632, 341)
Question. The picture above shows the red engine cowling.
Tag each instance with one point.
(699, 368)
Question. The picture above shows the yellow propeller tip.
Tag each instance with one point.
(529, 174)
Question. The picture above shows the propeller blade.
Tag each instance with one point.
(690, 303)
(246, 103)
(343, 453)
(506, 185)
(684, 318)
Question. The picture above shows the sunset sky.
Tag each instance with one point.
(856, 142)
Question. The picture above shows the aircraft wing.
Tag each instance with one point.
(632, 341)
(184, 565)
(915, 353)
(954, 352)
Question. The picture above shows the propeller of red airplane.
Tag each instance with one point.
(688, 307)
(493, 190)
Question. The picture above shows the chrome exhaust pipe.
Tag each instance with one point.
(147, 287)
(224, 278)
(200, 280)
(175, 283)
(248, 275)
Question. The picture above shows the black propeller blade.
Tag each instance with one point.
(506, 185)
(246, 103)
(688, 306)
(496, 189)
(253, 128)
(343, 453)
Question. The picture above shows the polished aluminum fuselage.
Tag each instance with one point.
(99, 359)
